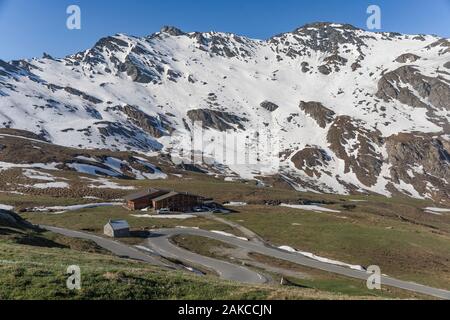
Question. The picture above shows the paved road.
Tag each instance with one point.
(115, 247)
(159, 242)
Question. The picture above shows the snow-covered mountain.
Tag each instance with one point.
(353, 111)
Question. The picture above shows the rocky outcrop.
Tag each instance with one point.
(320, 37)
(172, 31)
(111, 43)
(310, 160)
(7, 69)
(358, 145)
(421, 160)
(407, 58)
(443, 45)
(218, 120)
(305, 67)
(156, 127)
(333, 62)
(395, 85)
(325, 70)
(83, 95)
(318, 112)
(269, 106)
(355, 66)
(137, 73)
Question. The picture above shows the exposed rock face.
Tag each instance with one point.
(407, 58)
(269, 106)
(393, 85)
(305, 67)
(325, 37)
(422, 161)
(336, 59)
(111, 43)
(83, 95)
(318, 112)
(7, 69)
(120, 131)
(324, 70)
(310, 160)
(355, 66)
(173, 31)
(137, 74)
(217, 120)
(333, 62)
(443, 44)
(358, 146)
(154, 126)
(447, 65)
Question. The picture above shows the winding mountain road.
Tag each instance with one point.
(117, 248)
(160, 242)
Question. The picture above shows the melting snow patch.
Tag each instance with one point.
(48, 166)
(321, 259)
(62, 209)
(91, 198)
(309, 208)
(231, 179)
(6, 207)
(156, 175)
(92, 170)
(103, 183)
(235, 204)
(436, 211)
(51, 185)
(36, 175)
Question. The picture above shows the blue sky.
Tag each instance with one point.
(30, 27)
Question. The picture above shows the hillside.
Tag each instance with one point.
(33, 265)
(345, 110)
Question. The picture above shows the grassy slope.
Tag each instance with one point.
(38, 272)
(307, 277)
(404, 250)
(393, 233)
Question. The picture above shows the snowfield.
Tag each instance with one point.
(146, 93)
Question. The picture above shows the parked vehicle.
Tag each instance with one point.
(163, 211)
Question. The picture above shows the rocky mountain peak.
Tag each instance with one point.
(172, 31)
(336, 94)
(328, 25)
